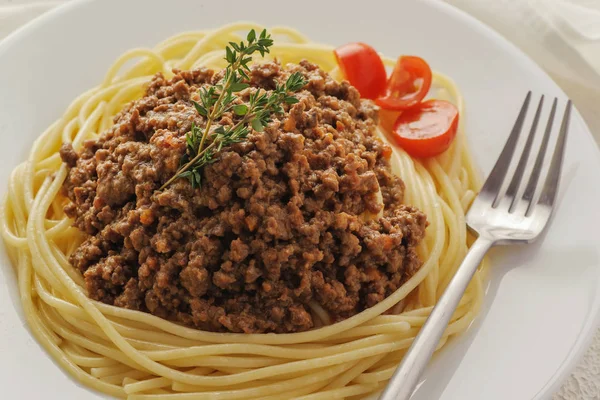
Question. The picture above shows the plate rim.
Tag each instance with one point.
(587, 332)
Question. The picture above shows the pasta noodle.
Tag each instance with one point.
(135, 355)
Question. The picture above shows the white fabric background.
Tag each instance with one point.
(571, 59)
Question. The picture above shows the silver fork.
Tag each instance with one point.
(499, 216)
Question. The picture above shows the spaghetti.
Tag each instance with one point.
(135, 355)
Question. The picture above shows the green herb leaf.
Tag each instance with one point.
(251, 36)
(291, 100)
(295, 82)
(257, 125)
(244, 74)
(238, 86)
(240, 109)
(201, 109)
(229, 55)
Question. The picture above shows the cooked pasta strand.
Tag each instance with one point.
(131, 354)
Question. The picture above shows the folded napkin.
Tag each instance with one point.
(562, 36)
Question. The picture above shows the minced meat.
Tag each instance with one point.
(281, 219)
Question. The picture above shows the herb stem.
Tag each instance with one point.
(213, 112)
(221, 97)
(201, 153)
(186, 166)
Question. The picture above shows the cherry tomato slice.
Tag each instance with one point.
(363, 68)
(387, 119)
(408, 85)
(427, 129)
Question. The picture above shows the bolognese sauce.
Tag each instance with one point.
(305, 211)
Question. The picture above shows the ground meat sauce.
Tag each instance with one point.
(278, 223)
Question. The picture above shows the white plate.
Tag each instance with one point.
(542, 305)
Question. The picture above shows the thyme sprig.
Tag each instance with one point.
(221, 98)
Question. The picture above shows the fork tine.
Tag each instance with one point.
(550, 189)
(539, 161)
(493, 183)
(515, 182)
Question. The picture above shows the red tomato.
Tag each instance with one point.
(408, 84)
(427, 129)
(363, 68)
(387, 119)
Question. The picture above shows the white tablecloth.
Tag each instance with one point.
(573, 61)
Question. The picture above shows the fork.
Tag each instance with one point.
(503, 213)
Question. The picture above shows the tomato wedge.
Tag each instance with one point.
(363, 68)
(387, 119)
(427, 129)
(408, 85)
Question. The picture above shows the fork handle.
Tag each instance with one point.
(406, 377)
